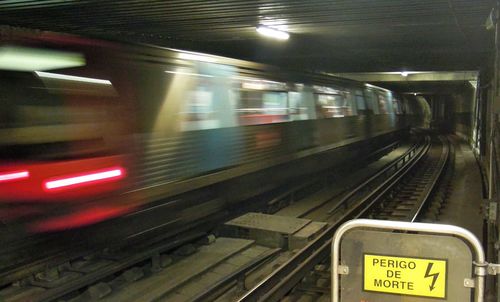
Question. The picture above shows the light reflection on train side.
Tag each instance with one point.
(80, 218)
(66, 77)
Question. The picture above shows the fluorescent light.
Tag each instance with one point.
(71, 78)
(273, 33)
(190, 74)
(404, 73)
(196, 57)
(31, 59)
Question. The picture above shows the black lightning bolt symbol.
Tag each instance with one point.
(434, 276)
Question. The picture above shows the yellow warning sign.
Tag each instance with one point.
(405, 276)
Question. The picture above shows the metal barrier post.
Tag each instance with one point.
(480, 266)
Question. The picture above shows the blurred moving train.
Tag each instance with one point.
(90, 129)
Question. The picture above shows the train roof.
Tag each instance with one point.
(170, 55)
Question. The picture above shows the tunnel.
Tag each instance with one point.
(229, 150)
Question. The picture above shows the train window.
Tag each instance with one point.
(372, 101)
(208, 101)
(68, 111)
(262, 107)
(388, 103)
(360, 100)
(332, 105)
(199, 112)
(351, 102)
(299, 109)
(396, 105)
(383, 103)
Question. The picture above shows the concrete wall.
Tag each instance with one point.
(463, 104)
(454, 112)
(425, 111)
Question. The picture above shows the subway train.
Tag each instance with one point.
(91, 129)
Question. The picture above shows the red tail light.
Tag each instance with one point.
(88, 178)
(13, 175)
(62, 180)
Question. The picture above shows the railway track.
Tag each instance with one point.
(402, 196)
(22, 256)
(118, 269)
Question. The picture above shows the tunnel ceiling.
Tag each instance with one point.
(428, 88)
(326, 35)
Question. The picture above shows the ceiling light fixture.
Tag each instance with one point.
(404, 73)
(273, 33)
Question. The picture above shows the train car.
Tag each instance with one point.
(92, 129)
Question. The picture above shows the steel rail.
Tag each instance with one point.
(443, 161)
(66, 256)
(408, 154)
(283, 279)
(377, 193)
(208, 293)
